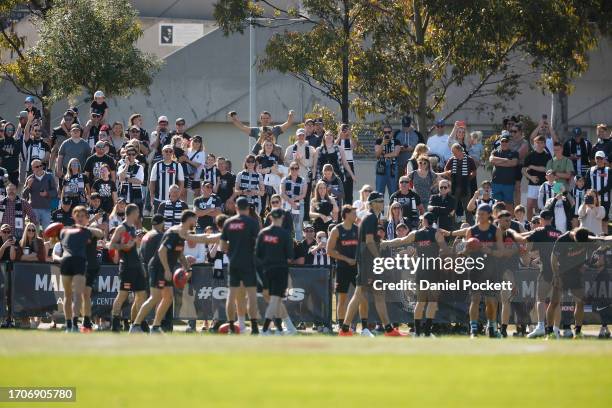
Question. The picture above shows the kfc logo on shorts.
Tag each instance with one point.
(236, 226)
(270, 239)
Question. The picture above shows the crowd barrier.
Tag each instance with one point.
(36, 290)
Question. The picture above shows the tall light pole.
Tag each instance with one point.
(252, 79)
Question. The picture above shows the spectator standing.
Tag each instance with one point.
(314, 139)
(224, 188)
(92, 128)
(412, 207)
(387, 149)
(504, 161)
(578, 149)
(438, 142)
(265, 120)
(330, 153)
(75, 184)
(131, 178)
(443, 206)
(598, 179)
(59, 134)
(33, 146)
(173, 207)
(40, 190)
(14, 210)
(534, 170)
(461, 170)
(408, 137)
(164, 174)
(179, 129)
(195, 160)
(604, 142)
(545, 130)
(117, 136)
(561, 165)
(160, 138)
(519, 145)
(96, 161)
(423, 179)
(347, 142)
(591, 213)
(73, 148)
(249, 183)
(293, 193)
(306, 158)
(10, 150)
(207, 206)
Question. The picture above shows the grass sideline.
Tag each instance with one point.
(187, 370)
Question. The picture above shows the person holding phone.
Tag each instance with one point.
(591, 213)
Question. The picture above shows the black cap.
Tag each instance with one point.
(277, 213)
(242, 203)
(157, 219)
(66, 200)
(546, 214)
(375, 196)
(430, 217)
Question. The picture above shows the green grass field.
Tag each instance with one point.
(183, 370)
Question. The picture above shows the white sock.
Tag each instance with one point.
(241, 322)
(289, 323)
(541, 325)
(556, 329)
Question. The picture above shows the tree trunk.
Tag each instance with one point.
(421, 114)
(559, 114)
(345, 65)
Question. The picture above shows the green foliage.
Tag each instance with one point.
(399, 56)
(91, 45)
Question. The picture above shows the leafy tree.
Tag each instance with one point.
(423, 47)
(17, 67)
(320, 53)
(82, 46)
(88, 46)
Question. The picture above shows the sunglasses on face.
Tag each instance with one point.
(250, 161)
(504, 141)
(403, 182)
(274, 202)
(134, 131)
(294, 168)
(443, 187)
(75, 165)
(31, 230)
(367, 191)
(5, 232)
(387, 132)
(168, 151)
(423, 162)
(95, 115)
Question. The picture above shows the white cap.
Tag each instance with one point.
(300, 131)
(162, 119)
(99, 94)
(600, 154)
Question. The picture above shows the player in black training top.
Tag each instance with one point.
(131, 274)
(342, 246)
(368, 248)
(428, 242)
(73, 265)
(91, 278)
(162, 267)
(542, 240)
(273, 250)
(238, 241)
(569, 261)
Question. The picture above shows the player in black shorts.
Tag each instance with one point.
(91, 277)
(490, 238)
(238, 241)
(542, 240)
(342, 246)
(162, 266)
(569, 259)
(368, 248)
(131, 274)
(429, 243)
(273, 248)
(73, 265)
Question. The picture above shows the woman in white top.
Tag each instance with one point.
(195, 160)
(362, 204)
(591, 213)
